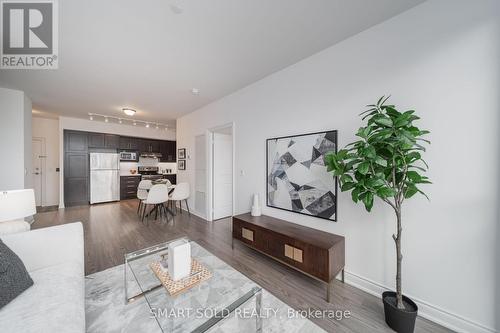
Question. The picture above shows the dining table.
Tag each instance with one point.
(171, 188)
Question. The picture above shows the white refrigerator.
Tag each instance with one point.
(104, 177)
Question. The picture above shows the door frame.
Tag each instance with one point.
(43, 166)
(210, 154)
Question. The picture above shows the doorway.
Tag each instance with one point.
(221, 172)
(38, 157)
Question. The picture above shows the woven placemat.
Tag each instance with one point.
(199, 273)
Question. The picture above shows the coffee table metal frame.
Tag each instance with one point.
(211, 322)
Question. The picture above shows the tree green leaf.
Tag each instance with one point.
(368, 201)
(347, 186)
(383, 121)
(363, 168)
(386, 192)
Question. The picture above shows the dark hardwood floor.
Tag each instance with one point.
(113, 229)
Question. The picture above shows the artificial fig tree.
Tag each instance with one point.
(386, 162)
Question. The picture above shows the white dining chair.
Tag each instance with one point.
(142, 192)
(158, 197)
(181, 192)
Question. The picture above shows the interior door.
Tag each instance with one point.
(37, 155)
(222, 175)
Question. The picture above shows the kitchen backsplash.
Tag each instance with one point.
(125, 167)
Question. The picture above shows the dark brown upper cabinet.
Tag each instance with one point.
(75, 141)
(167, 150)
(129, 143)
(149, 146)
(111, 141)
(96, 140)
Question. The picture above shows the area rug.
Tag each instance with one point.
(106, 311)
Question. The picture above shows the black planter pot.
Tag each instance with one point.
(402, 321)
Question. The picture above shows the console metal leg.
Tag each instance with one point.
(258, 307)
(328, 291)
(343, 275)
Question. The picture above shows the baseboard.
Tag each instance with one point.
(425, 310)
(194, 213)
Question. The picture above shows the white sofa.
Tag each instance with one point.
(54, 258)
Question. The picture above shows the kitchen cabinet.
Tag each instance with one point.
(128, 187)
(149, 146)
(96, 140)
(129, 143)
(167, 150)
(111, 141)
(75, 141)
(76, 168)
(171, 177)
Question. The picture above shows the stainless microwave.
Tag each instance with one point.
(128, 156)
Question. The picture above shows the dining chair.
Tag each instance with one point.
(181, 192)
(158, 197)
(142, 192)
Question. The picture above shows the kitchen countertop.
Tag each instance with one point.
(138, 174)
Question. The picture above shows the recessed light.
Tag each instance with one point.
(120, 121)
(195, 91)
(91, 118)
(135, 123)
(129, 112)
(157, 127)
(106, 119)
(147, 125)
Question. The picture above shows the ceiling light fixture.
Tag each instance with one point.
(128, 111)
(195, 91)
(125, 121)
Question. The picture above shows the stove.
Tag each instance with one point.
(149, 173)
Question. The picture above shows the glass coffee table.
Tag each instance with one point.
(198, 309)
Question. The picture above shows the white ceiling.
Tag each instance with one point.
(143, 55)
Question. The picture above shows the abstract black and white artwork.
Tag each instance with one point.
(297, 179)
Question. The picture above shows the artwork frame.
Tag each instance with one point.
(181, 153)
(181, 164)
(330, 190)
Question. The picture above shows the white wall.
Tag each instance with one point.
(49, 130)
(441, 58)
(15, 140)
(102, 127)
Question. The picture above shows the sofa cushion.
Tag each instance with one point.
(14, 279)
(55, 303)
